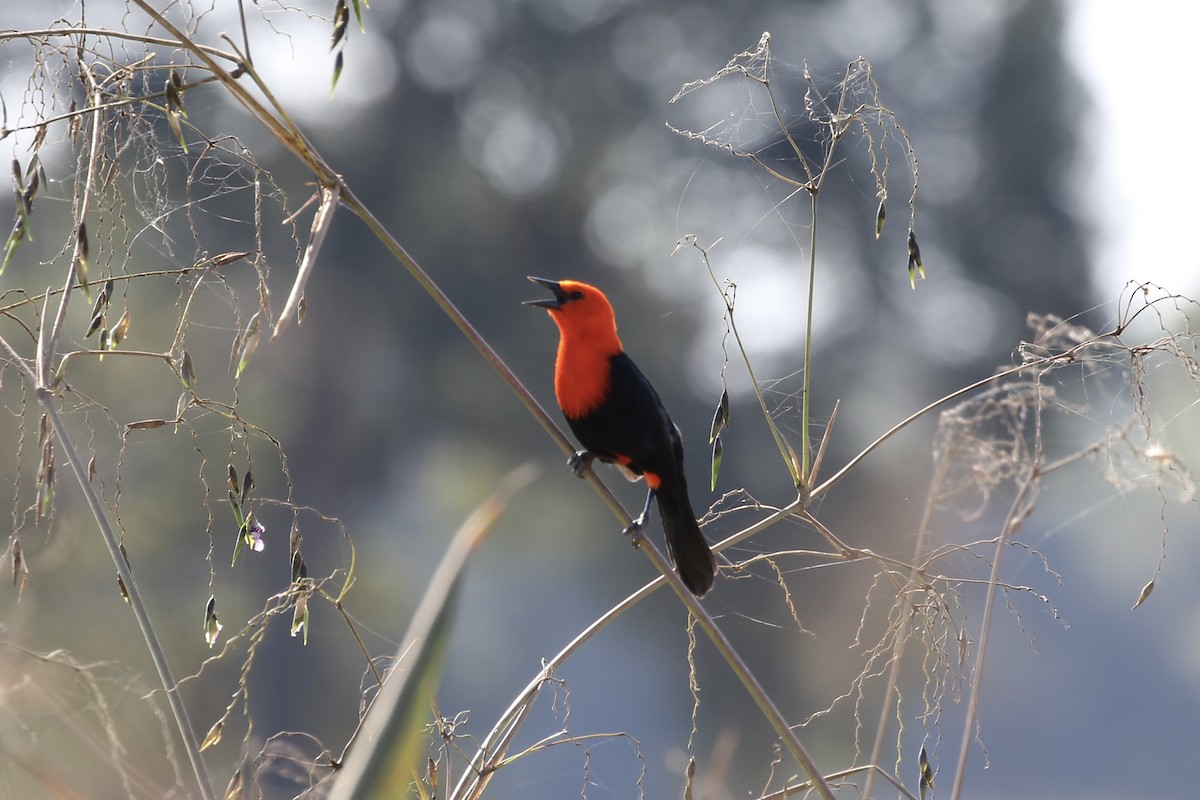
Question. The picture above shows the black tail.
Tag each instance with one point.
(685, 543)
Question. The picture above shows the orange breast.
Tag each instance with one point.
(581, 379)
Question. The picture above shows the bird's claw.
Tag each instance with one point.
(634, 531)
(580, 462)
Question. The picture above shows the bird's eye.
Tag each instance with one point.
(576, 295)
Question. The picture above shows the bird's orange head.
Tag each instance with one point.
(583, 314)
(587, 340)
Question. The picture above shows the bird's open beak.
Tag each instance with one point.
(559, 299)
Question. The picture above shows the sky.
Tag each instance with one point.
(1137, 62)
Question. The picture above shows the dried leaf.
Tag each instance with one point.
(234, 483)
(45, 481)
(794, 465)
(176, 128)
(46, 493)
(12, 243)
(96, 324)
(247, 487)
(341, 18)
(81, 259)
(224, 259)
(358, 7)
(880, 217)
(720, 417)
(717, 452)
(234, 790)
(241, 536)
(25, 195)
(249, 344)
(100, 306)
(338, 62)
(300, 615)
(187, 372)
(39, 139)
(41, 173)
(1144, 594)
(103, 299)
(121, 588)
(299, 568)
(237, 509)
(120, 330)
(34, 173)
(926, 773)
(213, 736)
(145, 425)
(914, 260)
(212, 626)
(74, 125)
(18, 561)
(234, 351)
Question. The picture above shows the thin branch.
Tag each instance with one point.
(1066, 355)
(109, 33)
(1016, 513)
(132, 592)
(906, 619)
(320, 226)
(50, 343)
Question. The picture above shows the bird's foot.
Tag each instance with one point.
(634, 531)
(580, 462)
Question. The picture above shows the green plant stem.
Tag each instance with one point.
(47, 345)
(806, 394)
(780, 443)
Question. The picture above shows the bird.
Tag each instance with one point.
(619, 419)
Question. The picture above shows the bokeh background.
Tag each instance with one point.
(498, 140)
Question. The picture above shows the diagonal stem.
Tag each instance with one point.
(140, 612)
